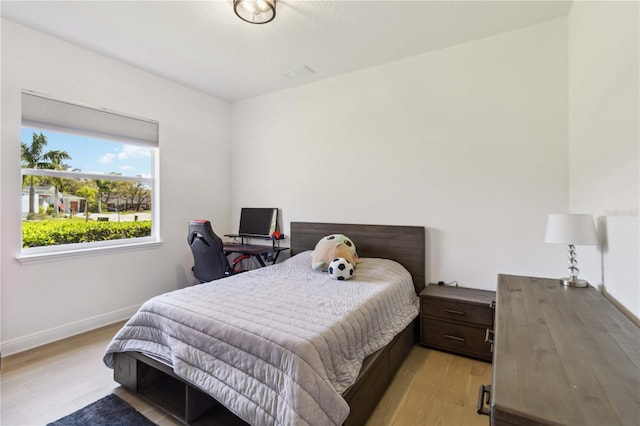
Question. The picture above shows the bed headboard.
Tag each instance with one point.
(404, 244)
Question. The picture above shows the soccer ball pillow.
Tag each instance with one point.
(331, 247)
(340, 269)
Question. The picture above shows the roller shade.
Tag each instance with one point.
(42, 112)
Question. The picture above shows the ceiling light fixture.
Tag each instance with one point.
(255, 11)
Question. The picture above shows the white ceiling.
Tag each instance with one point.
(202, 44)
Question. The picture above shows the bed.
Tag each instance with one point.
(326, 359)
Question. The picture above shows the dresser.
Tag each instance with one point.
(457, 319)
(562, 355)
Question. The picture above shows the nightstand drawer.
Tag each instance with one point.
(457, 311)
(448, 336)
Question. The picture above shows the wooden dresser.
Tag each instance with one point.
(457, 319)
(562, 356)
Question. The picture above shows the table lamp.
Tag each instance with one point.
(573, 230)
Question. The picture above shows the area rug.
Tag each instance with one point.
(108, 411)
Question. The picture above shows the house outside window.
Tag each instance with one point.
(88, 178)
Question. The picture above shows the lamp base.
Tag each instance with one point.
(574, 282)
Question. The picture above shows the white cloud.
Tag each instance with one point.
(107, 158)
(133, 151)
(126, 167)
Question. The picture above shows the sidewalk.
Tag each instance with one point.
(124, 217)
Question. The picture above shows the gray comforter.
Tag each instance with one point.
(278, 345)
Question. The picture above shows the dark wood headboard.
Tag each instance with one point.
(404, 244)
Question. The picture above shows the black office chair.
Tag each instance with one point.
(210, 261)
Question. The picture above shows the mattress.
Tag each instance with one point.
(277, 345)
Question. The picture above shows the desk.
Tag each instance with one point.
(254, 250)
(562, 355)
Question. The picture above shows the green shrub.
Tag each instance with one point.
(55, 232)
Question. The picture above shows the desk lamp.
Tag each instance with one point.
(571, 229)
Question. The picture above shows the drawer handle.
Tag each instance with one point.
(451, 311)
(484, 399)
(488, 333)
(448, 336)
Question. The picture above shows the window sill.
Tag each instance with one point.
(58, 255)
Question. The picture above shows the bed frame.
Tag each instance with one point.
(157, 383)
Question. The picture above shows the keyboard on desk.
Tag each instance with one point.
(244, 235)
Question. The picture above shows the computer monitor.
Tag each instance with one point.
(259, 222)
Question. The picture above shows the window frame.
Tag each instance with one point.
(46, 253)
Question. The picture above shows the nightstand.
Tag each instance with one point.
(457, 319)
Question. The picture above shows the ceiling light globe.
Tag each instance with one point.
(255, 11)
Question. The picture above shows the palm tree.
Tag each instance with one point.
(55, 158)
(33, 158)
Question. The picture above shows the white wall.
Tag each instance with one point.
(604, 141)
(472, 142)
(469, 141)
(44, 301)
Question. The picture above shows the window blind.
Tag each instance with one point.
(43, 112)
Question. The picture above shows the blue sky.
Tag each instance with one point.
(96, 155)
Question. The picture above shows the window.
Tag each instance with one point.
(88, 178)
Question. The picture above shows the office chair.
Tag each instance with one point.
(210, 261)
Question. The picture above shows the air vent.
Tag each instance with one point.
(300, 72)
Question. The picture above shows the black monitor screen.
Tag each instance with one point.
(258, 221)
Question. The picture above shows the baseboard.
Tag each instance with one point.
(620, 306)
(34, 340)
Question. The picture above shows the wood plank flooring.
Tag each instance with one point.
(46, 383)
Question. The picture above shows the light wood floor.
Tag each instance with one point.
(44, 384)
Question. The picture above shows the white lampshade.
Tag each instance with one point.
(576, 229)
